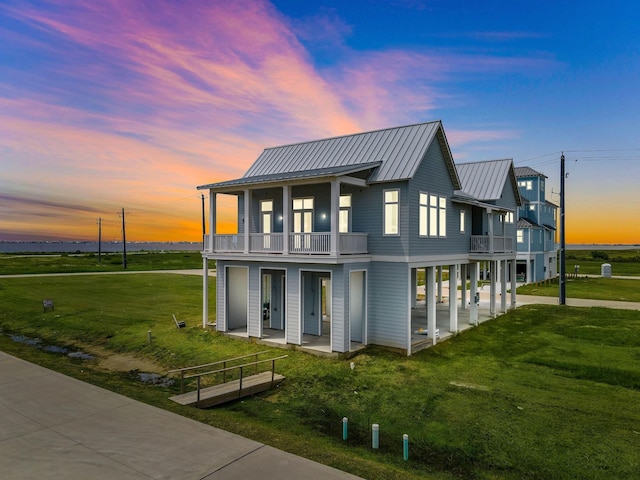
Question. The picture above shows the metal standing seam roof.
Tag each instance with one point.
(485, 180)
(400, 151)
(527, 172)
(289, 176)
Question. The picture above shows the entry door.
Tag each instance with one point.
(266, 208)
(302, 222)
(357, 305)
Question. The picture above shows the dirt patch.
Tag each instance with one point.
(121, 362)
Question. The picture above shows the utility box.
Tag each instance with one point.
(605, 270)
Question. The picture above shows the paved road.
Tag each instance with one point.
(57, 427)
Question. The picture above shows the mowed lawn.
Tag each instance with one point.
(542, 392)
(595, 288)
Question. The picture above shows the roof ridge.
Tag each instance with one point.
(304, 142)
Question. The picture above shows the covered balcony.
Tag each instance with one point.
(308, 213)
(318, 243)
(491, 244)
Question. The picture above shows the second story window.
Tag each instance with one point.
(424, 214)
(520, 235)
(462, 218)
(391, 212)
(345, 214)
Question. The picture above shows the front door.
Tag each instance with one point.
(266, 210)
(302, 222)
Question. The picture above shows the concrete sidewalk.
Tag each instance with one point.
(53, 426)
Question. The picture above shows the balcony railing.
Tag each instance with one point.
(313, 243)
(488, 244)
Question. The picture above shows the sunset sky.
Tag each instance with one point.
(131, 104)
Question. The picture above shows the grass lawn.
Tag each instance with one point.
(542, 392)
(623, 262)
(11, 263)
(595, 288)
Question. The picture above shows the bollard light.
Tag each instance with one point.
(345, 423)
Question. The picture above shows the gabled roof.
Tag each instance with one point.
(485, 180)
(526, 223)
(400, 150)
(527, 172)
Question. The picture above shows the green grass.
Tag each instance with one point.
(543, 392)
(623, 262)
(588, 287)
(12, 264)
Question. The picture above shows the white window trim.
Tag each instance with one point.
(384, 213)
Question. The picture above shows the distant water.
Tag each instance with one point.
(92, 247)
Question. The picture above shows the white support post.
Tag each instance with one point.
(493, 265)
(490, 224)
(335, 209)
(513, 283)
(503, 286)
(453, 298)
(473, 310)
(286, 215)
(414, 286)
(463, 285)
(212, 221)
(205, 292)
(247, 219)
(439, 284)
(430, 283)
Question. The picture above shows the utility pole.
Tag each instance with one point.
(563, 269)
(124, 243)
(99, 239)
(203, 222)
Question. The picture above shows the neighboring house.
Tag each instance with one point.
(536, 236)
(331, 234)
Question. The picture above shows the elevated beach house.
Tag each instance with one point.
(536, 235)
(331, 235)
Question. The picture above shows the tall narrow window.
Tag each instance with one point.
(433, 215)
(520, 235)
(424, 210)
(391, 212)
(345, 214)
(442, 217)
(462, 215)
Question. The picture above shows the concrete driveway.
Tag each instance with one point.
(57, 427)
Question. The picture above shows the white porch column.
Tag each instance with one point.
(490, 225)
(528, 279)
(513, 283)
(439, 284)
(205, 292)
(453, 296)
(503, 286)
(286, 215)
(247, 219)
(210, 246)
(463, 285)
(335, 212)
(430, 299)
(493, 265)
(414, 286)
(473, 309)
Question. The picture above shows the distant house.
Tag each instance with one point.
(536, 234)
(331, 235)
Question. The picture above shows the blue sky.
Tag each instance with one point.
(113, 104)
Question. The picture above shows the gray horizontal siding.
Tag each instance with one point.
(388, 309)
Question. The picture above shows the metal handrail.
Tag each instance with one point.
(241, 367)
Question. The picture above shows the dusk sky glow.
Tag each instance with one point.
(132, 104)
